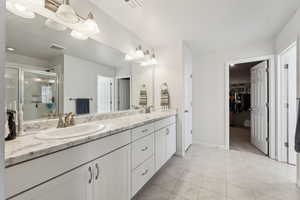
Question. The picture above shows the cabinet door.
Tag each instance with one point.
(75, 185)
(160, 148)
(112, 176)
(171, 141)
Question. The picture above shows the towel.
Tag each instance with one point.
(164, 97)
(297, 138)
(82, 106)
(143, 98)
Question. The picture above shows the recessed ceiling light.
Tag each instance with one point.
(10, 49)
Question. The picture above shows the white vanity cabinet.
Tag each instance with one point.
(75, 185)
(105, 178)
(115, 167)
(165, 141)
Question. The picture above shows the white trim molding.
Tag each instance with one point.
(272, 100)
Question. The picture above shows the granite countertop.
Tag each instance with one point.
(29, 147)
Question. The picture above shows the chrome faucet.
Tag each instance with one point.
(67, 121)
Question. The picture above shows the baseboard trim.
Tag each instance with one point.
(222, 147)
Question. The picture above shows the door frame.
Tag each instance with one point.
(280, 138)
(272, 100)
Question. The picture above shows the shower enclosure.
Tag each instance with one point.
(35, 92)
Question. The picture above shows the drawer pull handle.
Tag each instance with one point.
(168, 131)
(145, 130)
(98, 171)
(145, 149)
(91, 175)
(145, 172)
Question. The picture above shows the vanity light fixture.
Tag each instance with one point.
(66, 13)
(19, 9)
(55, 25)
(90, 26)
(151, 61)
(139, 52)
(79, 36)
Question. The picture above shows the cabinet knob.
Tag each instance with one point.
(168, 131)
(145, 149)
(145, 172)
(98, 171)
(91, 175)
(145, 130)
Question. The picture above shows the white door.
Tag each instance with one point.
(160, 148)
(188, 110)
(104, 94)
(112, 176)
(75, 185)
(288, 64)
(171, 141)
(259, 107)
(123, 94)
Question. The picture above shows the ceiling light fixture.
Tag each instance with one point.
(19, 9)
(90, 26)
(79, 36)
(55, 25)
(139, 52)
(66, 13)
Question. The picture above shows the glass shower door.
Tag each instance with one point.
(12, 88)
(40, 95)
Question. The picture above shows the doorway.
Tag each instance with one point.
(249, 110)
(287, 75)
(123, 93)
(105, 94)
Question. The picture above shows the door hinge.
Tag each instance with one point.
(267, 139)
(286, 66)
(286, 144)
(287, 105)
(267, 104)
(191, 132)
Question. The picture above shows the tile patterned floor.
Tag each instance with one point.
(212, 174)
(240, 140)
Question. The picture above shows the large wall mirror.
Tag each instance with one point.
(48, 72)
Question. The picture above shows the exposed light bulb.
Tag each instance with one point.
(139, 52)
(232, 65)
(90, 26)
(10, 49)
(79, 36)
(66, 13)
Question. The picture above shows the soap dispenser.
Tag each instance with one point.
(11, 116)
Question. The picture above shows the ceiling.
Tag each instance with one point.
(204, 24)
(31, 38)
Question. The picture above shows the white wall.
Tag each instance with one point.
(170, 70)
(284, 39)
(80, 81)
(209, 89)
(2, 97)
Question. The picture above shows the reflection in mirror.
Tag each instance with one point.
(48, 72)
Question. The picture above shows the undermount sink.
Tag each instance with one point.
(70, 132)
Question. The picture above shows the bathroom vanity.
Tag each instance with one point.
(111, 164)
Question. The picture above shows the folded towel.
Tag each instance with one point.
(297, 138)
(164, 97)
(143, 98)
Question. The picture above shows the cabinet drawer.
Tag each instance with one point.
(165, 122)
(142, 131)
(142, 149)
(141, 175)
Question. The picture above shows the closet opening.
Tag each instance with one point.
(249, 107)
